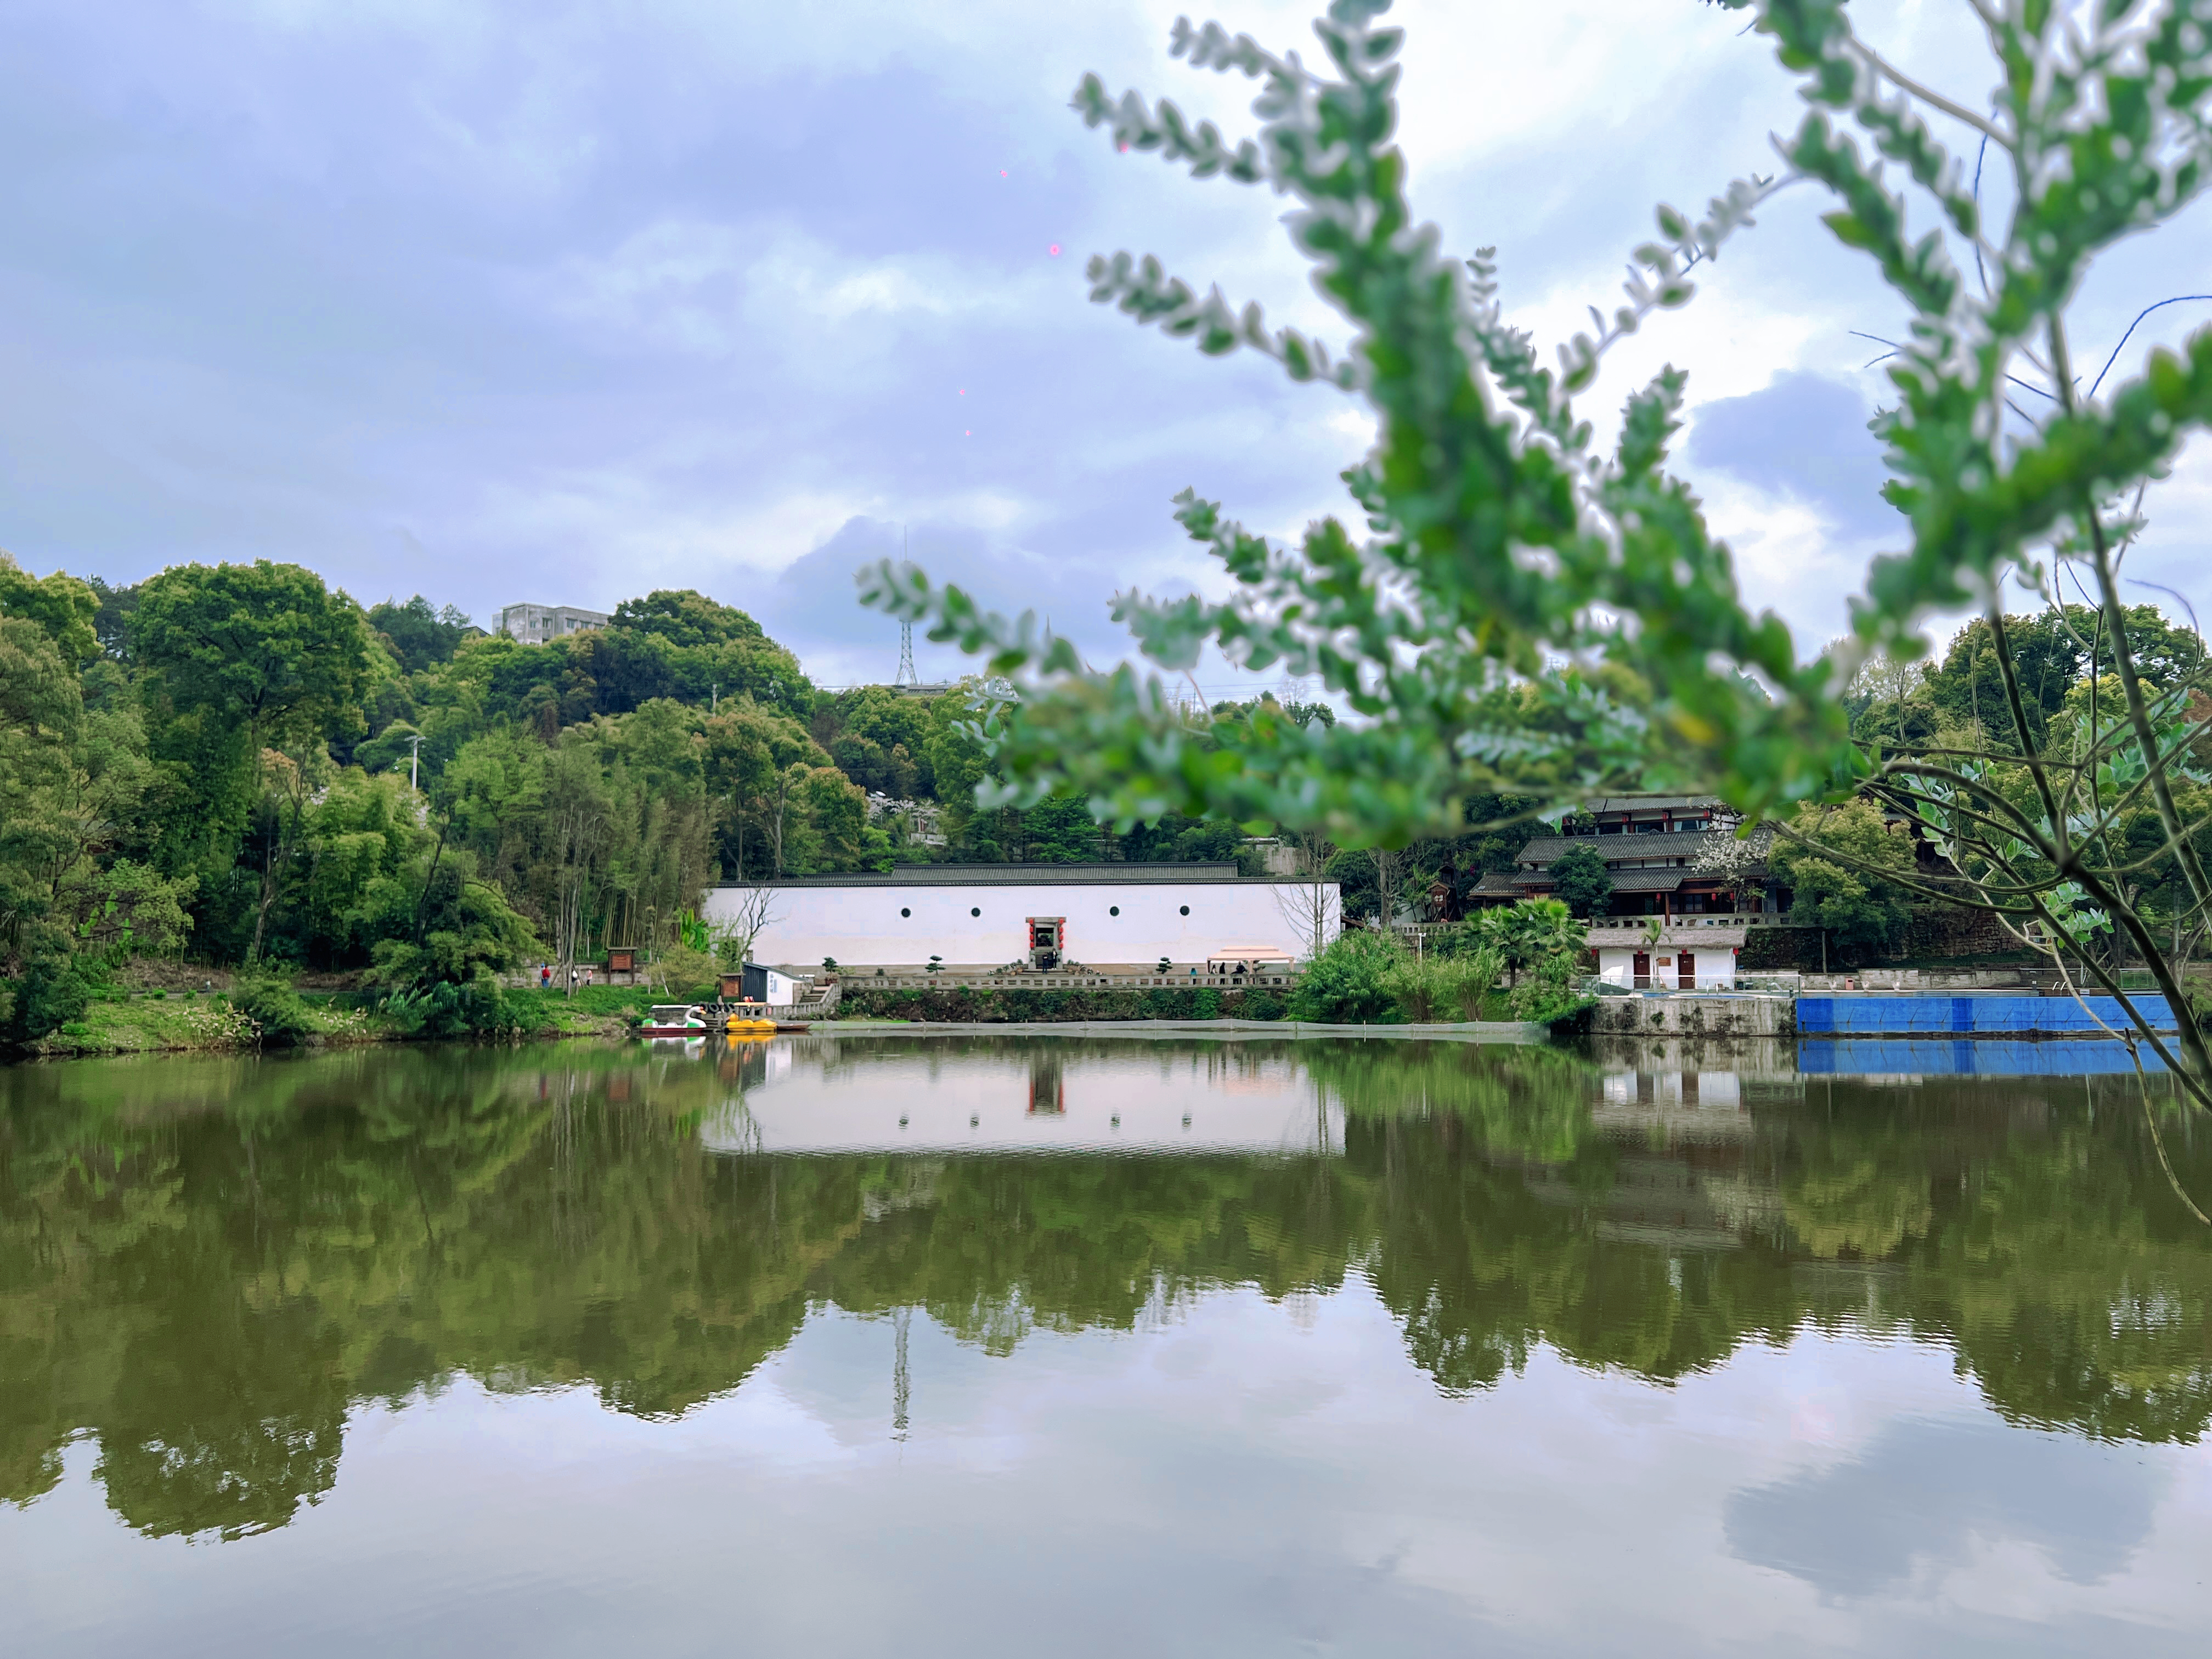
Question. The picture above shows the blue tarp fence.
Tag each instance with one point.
(1965, 1057)
(1991, 1017)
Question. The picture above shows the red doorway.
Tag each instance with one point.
(1048, 941)
(1686, 966)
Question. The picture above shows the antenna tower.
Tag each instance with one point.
(906, 674)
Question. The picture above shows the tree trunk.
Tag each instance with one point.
(782, 802)
(280, 856)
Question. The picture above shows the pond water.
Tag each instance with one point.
(973, 1345)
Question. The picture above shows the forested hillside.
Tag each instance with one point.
(237, 765)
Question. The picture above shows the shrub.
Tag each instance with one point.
(1442, 985)
(477, 1008)
(278, 1015)
(51, 994)
(1417, 987)
(1472, 980)
(1547, 995)
(1350, 981)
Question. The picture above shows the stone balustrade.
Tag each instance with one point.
(957, 979)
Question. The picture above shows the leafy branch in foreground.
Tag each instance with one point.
(1525, 615)
(1498, 546)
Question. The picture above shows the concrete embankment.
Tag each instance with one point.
(1674, 1015)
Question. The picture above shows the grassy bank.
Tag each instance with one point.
(131, 1022)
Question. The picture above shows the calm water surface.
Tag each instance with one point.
(1060, 1347)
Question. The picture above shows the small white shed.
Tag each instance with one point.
(1684, 958)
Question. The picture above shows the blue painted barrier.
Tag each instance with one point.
(1965, 1057)
(1974, 1017)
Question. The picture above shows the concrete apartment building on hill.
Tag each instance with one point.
(535, 624)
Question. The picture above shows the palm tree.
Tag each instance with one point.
(1531, 933)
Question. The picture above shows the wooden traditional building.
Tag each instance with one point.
(1668, 856)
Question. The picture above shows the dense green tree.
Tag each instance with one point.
(680, 646)
(41, 723)
(763, 774)
(1861, 914)
(875, 770)
(234, 661)
(417, 634)
(218, 758)
(1581, 881)
(1967, 687)
(464, 932)
(1059, 831)
(60, 606)
(391, 750)
(266, 648)
(686, 617)
(73, 784)
(111, 620)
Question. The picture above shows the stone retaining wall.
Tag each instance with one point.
(1694, 1016)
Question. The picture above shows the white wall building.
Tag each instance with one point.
(534, 624)
(1685, 956)
(987, 916)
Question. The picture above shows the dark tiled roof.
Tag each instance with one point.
(1624, 881)
(1648, 881)
(1020, 875)
(1678, 843)
(1503, 881)
(1653, 804)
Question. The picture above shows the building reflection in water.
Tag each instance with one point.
(228, 1255)
(1047, 1087)
(825, 1095)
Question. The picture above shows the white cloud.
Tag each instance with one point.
(671, 292)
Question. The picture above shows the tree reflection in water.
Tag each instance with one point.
(204, 1264)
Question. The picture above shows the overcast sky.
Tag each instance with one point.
(502, 301)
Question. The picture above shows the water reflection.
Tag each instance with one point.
(205, 1265)
(1128, 1099)
(1953, 1488)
